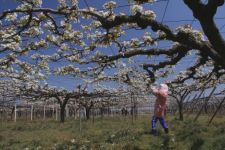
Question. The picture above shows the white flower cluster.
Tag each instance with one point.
(62, 3)
(189, 30)
(74, 58)
(64, 47)
(42, 16)
(161, 34)
(74, 2)
(52, 38)
(149, 14)
(136, 9)
(134, 42)
(109, 5)
(96, 34)
(78, 34)
(125, 43)
(147, 38)
(33, 31)
(12, 43)
(96, 56)
(70, 69)
(43, 64)
(23, 20)
(27, 68)
(11, 46)
(24, 7)
(68, 35)
(139, 9)
(11, 17)
(49, 25)
(95, 24)
(37, 3)
(108, 15)
(55, 56)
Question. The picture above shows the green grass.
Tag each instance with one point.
(113, 133)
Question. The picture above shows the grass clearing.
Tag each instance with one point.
(113, 133)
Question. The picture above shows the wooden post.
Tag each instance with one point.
(2, 115)
(31, 112)
(206, 101)
(6, 114)
(75, 117)
(92, 114)
(67, 111)
(26, 110)
(15, 113)
(56, 113)
(80, 118)
(53, 110)
(195, 101)
(132, 107)
(217, 109)
(44, 112)
(189, 104)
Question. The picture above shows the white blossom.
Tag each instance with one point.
(64, 47)
(136, 9)
(11, 16)
(109, 5)
(147, 38)
(150, 14)
(62, 3)
(37, 2)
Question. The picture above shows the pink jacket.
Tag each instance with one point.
(160, 104)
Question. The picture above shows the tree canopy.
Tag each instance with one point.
(33, 37)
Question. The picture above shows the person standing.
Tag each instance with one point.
(160, 107)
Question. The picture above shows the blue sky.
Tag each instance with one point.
(177, 13)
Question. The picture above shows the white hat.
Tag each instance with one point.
(164, 87)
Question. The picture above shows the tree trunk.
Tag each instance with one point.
(87, 113)
(62, 113)
(180, 107)
(102, 112)
(12, 112)
(206, 109)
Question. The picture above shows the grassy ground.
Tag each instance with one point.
(113, 133)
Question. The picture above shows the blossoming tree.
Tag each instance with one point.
(33, 38)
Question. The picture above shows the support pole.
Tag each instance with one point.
(80, 119)
(189, 104)
(67, 111)
(31, 112)
(217, 109)
(195, 101)
(15, 113)
(44, 112)
(206, 101)
(53, 110)
(56, 113)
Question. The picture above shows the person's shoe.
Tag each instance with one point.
(166, 130)
(153, 132)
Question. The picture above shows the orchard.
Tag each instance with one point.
(85, 74)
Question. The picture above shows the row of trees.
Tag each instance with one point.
(81, 38)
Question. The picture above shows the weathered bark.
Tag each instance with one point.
(180, 109)
(62, 103)
(12, 112)
(62, 113)
(205, 13)
(87, 109)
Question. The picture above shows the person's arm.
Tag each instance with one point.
(154, 90)
(163, 93)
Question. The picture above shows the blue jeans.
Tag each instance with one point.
(161, 120)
